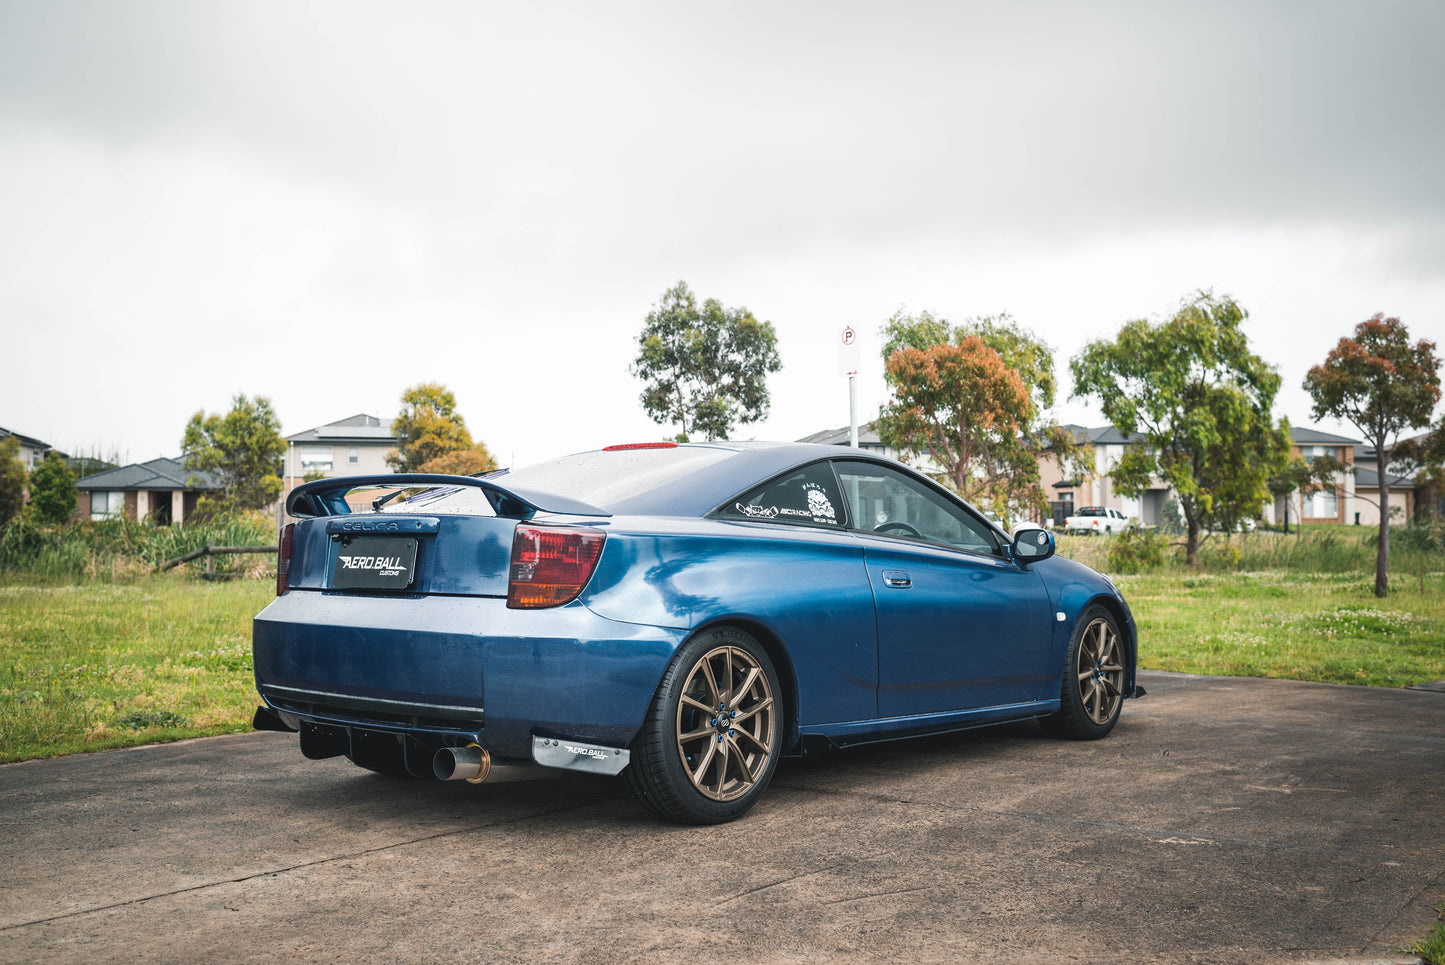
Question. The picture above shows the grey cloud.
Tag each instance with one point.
(778, 120)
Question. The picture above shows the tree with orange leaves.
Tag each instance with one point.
(1384, 386)
(970, 399)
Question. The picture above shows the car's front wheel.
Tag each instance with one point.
(713, 732)
(1092, 691)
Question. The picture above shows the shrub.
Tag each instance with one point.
(1420, 545)
(1137, 550)
(1220, 555)
(52, 490)
(117, 547)
(12, 479)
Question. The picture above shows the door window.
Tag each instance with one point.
(885, 501)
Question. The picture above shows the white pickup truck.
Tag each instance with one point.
(1096, 519)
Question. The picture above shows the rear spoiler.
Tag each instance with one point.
(327, 497)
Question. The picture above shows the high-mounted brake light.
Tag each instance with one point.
(551, 565)
(640, 445)
(283, 558)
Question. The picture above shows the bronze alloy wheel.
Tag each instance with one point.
(725, 721)
(1100, 671)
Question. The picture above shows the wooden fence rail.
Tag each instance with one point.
(209, 552)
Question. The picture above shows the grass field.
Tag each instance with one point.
(1327, 627)
(97, 665)
(93, 665)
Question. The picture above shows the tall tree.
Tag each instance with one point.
(432, 436)
(12, 480)
(1384, 386)
(974, 399)
(52, 490)
(243, 447)
(704, 369)
(1202, 403)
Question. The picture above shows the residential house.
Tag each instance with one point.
(1405, 497)
(1069, 486)
(32, 450)
(355, 446)
(868, 440)
(1331, 503)
(163, 491)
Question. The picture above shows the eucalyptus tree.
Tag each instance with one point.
(1201, 404)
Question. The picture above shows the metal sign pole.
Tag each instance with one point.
(853, 409)
(849, 364)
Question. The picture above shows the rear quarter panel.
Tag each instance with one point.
(806, 588)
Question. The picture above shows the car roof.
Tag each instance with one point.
(694, 491)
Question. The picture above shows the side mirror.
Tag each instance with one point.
(1031, 545)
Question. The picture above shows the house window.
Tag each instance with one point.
(315, 459)
(1309, 453)
(352, 455)
(103, 504)
(1322, 505)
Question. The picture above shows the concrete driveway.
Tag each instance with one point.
(1225, 820)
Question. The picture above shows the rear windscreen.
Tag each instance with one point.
(599, 478)
(605, 478)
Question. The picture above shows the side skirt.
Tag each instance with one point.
(854, 733)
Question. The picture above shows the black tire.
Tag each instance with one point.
(713, 732)
(1091, 693)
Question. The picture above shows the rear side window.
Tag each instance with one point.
(808, 496)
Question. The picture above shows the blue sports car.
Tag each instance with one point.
(681, 614)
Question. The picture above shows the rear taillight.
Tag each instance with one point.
(283, 558)
(551, 565)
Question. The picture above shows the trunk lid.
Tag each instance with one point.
(395, 553)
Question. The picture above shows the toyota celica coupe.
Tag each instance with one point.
(681, 614)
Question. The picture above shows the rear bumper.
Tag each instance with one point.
(446, 669)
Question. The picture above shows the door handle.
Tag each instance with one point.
(897, 579)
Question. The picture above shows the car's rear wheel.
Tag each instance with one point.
(713, 733)
(1092, 691)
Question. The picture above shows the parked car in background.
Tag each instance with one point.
(683, 615)
(1096, 519)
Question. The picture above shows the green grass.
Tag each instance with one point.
(98, 665)
(1299, 607)
(1326, 627)
(1432, 948)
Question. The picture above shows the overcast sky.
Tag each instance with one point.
(324, 203)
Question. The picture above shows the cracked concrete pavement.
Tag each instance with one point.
(1225, 820)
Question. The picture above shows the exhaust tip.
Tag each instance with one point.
(471, 764)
